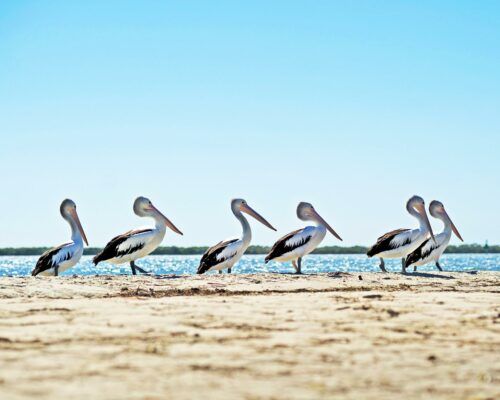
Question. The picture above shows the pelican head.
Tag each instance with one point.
(417, 204)
(239, 205)
(306, 212)
(68, 212)
(437, 210)
(143, 207)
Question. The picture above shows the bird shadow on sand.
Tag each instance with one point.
(428, 275)
(149, 275)
(291, 273)
(170, 276)
(336, 274)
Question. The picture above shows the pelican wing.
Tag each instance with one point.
(52, 258)
(424, 251)
(216, 255)
(389, 241)
(122, 245)
(289, 243)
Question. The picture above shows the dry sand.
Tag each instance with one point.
(264, 336)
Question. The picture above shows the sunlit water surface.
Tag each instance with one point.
(182, 265)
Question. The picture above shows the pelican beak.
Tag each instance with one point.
(421, 210)
(167, 221)
(453, 227)
(79, 225)
(250, 211)
(320, 219)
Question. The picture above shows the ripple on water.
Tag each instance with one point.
(22, 265)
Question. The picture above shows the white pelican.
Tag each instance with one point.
(138, 243)
(429, 251)
(65, 256)
(297, 244)
(401, 242)
(226, 253)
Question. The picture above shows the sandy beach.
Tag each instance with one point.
(269, 336)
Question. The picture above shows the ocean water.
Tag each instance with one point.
(185, 265)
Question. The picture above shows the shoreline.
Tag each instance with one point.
(272, 336)
(167, 285)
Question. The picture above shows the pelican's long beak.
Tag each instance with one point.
(79, 225)
(167, 221)
(320, 219)
(453, 227)
(250, 211)
(423, 213)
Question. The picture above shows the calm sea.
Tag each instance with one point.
(19, 265)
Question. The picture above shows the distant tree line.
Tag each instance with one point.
(195, 250)
(473, 248)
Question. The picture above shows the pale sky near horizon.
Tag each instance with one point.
(352, 106)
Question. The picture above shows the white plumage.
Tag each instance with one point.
(401, 242)
(144, 241)
(295, 245)
(225, 254)
(302, 243)
(63, 257)
(404, 243)
(132, 245)
(230, 255)
(233, 251)
(431, 251)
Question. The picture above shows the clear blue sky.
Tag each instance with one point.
(353, 106)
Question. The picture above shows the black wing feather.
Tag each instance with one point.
(384, 242)
(45, 262)
(209, 258)
(280, 247)
(420, 253)
(111, 249)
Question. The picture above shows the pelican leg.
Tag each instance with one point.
(403, 268)
(229, 270)
(220, 271)
(382, 265)
(56, 270)
(438, 266)
(136, 268)
(294, 263)
(142, 271)
(415, 268)
(299, 265)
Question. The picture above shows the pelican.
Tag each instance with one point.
(65, 256)
(429, 251)
(401, 242)
(135, 244)
(297, 244)
(226, 253)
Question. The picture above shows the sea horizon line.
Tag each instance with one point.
(473, 248)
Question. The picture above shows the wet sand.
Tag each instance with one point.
(269, 336)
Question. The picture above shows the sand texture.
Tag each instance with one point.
(269, 336)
